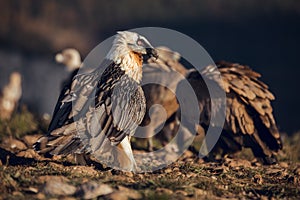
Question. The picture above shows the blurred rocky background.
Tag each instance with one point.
(261, 34)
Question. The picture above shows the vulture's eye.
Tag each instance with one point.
(140, 42)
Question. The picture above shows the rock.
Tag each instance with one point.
(55, 187)
(297, 170)
(57, 166)
(164, 191)
(181, 192)
(176, 169)
(131, 194)
(258, 179)
(117, 195)
(93, 189)
(188, 154)
(32, 190)
(30, 139)
(13, 144)
(40, 196)
(123, 195)
(273, 171)
(200, 192)
(284, 164)
(236, 163)
(17, 194)
(29, 153)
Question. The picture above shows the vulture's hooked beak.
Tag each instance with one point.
(151, 52)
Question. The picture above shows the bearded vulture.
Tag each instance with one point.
(10, 96)
(249, 120)
(101, 110)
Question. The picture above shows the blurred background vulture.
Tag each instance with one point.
(71, 59)
(249, 120)
(10, 96)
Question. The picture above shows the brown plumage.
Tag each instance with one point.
(99, 111)
(10, 96)
(165, 72)
(249, 120)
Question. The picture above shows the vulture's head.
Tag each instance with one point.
(129, 50)
(70, 58)
(130, 43)
(15, 79)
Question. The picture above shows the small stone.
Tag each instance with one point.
(124, 195)
(284, 164)
(128, 174)
(297, 171)
(17, 193)
(131, 194)
(40, 196)
(14, 144)
(164, 191)
(191, 174)
(117, 195)
(181, 192)
(199, 192)
(54, 187)
(33, 190)
(175, 169)
(67, 198)
(29, 153)
(264, 197)
(258, 179)
(30, 139)
(237, 163)
(188, 154)
(92, 190)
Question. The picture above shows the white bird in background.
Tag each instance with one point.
(70, 58)
(100, 111)
(10, 96)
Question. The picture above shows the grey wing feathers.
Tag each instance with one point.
(86, 116)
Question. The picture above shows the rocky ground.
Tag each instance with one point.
(26, 175)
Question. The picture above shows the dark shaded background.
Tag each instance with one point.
(262, 34)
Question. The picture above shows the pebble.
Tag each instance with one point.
(54, 187)
(92, 190)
